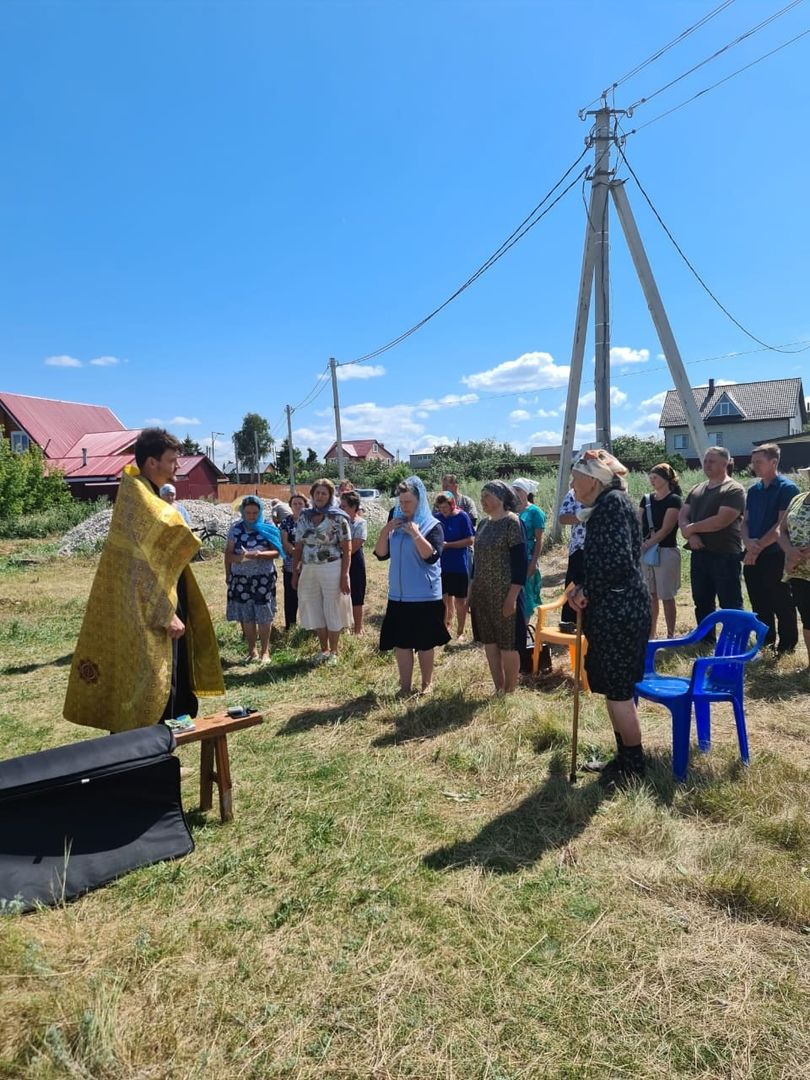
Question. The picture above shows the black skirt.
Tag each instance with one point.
(417, 626)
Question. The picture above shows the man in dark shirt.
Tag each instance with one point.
(764, 562)
(710, 521)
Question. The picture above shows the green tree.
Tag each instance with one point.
(639, 455)
(25, 485)
(189, 447)
(312, 458)
(283, 460)
(253, 441)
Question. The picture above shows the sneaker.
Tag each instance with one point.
(264, 660)
(321, 657)
(331, 660)
(251, 658)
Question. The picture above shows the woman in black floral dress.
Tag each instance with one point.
(615, 603)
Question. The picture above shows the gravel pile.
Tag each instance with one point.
(92, 533)
(375, 511)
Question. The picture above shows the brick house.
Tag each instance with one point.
(737, 416)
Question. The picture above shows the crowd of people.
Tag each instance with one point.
(444, 565)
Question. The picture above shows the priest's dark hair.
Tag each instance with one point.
(154, 442)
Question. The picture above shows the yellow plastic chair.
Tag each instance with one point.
(544, 635)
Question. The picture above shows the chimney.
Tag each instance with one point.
(84, 455)
(711, 387)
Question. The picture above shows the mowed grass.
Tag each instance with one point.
(413, 889)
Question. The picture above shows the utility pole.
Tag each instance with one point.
(256, 454)
(290, 451)
(236, 457)
(595, 275)
(213, 436)
(336, 399)
(600, 186)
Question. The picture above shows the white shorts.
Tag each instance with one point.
(320, 601)
(664, 580)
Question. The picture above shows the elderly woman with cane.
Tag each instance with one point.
(615, 604)
(496, 588)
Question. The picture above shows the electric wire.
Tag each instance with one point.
(660, 52)
(531, 219)
(719, 82)
(700, 280)
(719, 52)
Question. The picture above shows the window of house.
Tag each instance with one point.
(681, 442)
(715, 438)
(375, 448)
(19, 442)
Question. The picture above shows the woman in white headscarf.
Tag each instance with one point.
(533, 521)
(615, 604)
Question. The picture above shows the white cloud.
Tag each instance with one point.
(63, 361)
(656, 399)
(449, 401)
(617, 397)
(359, 371)
(583, 433)
(622, 355)
(106, 361)
(517, 416)
(155, 421)
(545, 438)
(544, 414)
(71, 361)
(531, 371)
(717, 382)
(396, 426)
(428, 443)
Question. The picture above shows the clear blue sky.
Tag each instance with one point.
(213, 198)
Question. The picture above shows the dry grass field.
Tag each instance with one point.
(412, 888)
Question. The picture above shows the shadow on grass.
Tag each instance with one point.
(550, 817)
(767, 683)
(24, 669)
(430, 717)
(318, 717)
(266, 675)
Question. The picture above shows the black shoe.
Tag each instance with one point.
(620, 773)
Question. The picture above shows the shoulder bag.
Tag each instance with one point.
(652, 556)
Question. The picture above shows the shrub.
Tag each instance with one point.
(25, 487)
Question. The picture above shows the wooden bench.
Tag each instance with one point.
(212, 732)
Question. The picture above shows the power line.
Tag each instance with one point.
(719, 52)
(660, 52)
(528, 223)
(719, 82)
(679, 249)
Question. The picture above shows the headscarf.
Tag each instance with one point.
(267, 531)
(503, 493)
(168, 489)
(601, 466)
(523, 483)
(449, 497)
(423, 515)
(666, 472)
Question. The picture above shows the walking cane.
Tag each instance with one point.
(577, 663)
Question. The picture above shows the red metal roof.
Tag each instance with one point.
(105, 465)
(104, 443)
(358, 448)
(55, 426)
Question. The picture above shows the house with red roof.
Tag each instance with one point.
(361, 450)
(90, 445)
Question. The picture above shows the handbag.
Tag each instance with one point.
(527, 655)
(652, 556)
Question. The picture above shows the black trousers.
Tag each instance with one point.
(575, 572)
(716, 582)
(771, 599)
(290, 601)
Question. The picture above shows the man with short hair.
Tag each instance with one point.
(463, 502)
(710, 521)
(766, 504)
(147, 648)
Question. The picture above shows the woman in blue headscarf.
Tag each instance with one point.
(414, 619)
(250, 575)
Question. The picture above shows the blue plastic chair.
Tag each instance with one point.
(710, 681)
